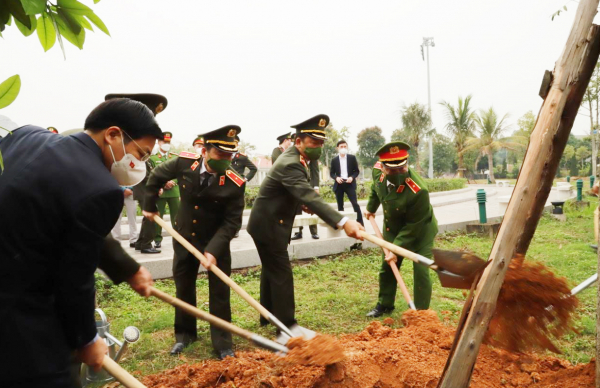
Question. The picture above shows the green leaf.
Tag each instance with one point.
(70, 21)
(84, 22)
(34, 7)
(97, 22)
(17, 11)
(1, 163)
(74, 6)
(24, 30)
(9, 90)
(46, 31)
(96, 1)
(565, 7)
(76, 39)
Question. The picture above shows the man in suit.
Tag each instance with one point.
(212, 202)
(285, 189)
(409, 222)
(284, 143)
(344, 171)
(156, 103)
(47, 262)
(170, 191)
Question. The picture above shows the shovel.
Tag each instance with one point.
(585, 284)
(455, 269)
(120, 374)
(394, 267)
(239, 290)
(218, 322)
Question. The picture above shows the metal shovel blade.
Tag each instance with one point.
(297, 331)
(457, 269)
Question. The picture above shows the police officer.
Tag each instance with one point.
(240, 162)
(285, 189)
(157, 104)
(198, 144)
(170, 191)
(285, 141)
(212, 202)
(408, 222)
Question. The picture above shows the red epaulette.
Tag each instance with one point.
(413, 186)
(303, 161)
(400, 189)
(377, 165)
(189, 155)
(238, 180)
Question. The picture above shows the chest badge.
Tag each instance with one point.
(400, 189)
(195, 165)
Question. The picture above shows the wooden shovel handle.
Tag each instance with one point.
(196, 312)
(394, 267)
(116, 371)
(213, 268)
(399, 250)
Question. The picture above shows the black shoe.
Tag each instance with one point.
(594, 247)
(379, 310)
(297, 236)
(356, 246)
(151, 250)
(157, 244)
(131, 245)
(237, 234)
(138, 248)
(315, 236)
(177, 348)
(225, 353)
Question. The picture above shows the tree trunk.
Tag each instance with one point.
(571, 76)
(597, 216)
(491, 167)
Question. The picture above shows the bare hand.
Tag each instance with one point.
(369, 215)
(211, 260)
(349, 180)
(141, 281)
(352, 229)
(317, 190)
(169, 185)
(389, 257)
(150, 215)
(127, 192)
(93, 355)
(160, 192)
(339, 180)
(305, 209)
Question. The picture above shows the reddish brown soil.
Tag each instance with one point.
(534, 307)
(380, 356)
(321, 350)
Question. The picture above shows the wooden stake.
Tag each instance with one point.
(571, 76)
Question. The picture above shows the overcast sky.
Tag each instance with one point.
(266, 65)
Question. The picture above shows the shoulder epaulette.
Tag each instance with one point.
(238, 180)
(189, 155)
(413, 185)
(377, 165)
(303, 161)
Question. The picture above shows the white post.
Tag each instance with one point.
(429, 42)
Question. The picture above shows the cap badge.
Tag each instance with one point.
(394, 150)
(231, 133)
(322, 123)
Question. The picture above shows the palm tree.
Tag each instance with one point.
(490, 139)
(417, 124)
(460, 126)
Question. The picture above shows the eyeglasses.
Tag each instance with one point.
(145, 155)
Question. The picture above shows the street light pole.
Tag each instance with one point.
(427, 42)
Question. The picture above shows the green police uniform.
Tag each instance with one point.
(169, 197)
(409, 222)
(211, 212)
(240, 162)
(277, 151)
(283, 191)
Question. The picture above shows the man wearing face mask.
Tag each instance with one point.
(344, 171)
(212, 203)
(198, 145)
(285, 189)
(170, 191)
(67, 188)
(284, 143)
(409, 222)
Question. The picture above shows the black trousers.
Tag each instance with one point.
(313, 228)
(276, 283)
(185, 272)
(62, 379)
(350, 191)
(147, 233)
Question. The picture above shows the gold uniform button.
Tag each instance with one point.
(193, 234)
(397, 209)
(281, 221)
(194, 221)
(196, 207)
(386, 229)
(184, 186)
(175, 222)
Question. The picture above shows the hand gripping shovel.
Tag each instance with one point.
(220, 323)
(297, 330)
(455, 269)
(394, 267)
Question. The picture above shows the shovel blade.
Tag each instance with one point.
(298, 331)
(457, 269)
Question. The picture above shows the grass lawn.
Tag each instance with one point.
(334, 293)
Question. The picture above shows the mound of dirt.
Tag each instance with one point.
(380, 356)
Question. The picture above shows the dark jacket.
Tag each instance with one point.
(285, 188)
(336, 170)
(208, 218)
(58, 203)
(240, 162)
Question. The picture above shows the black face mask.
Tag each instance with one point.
(397, 179)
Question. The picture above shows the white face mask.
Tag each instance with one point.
(198, 150)
(165, 147)
(128, 171)
(343, 151)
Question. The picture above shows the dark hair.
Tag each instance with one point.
(341, 142)
(281, 142)
(133, 117)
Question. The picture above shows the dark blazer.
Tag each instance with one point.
(336, 171)
(285, 188)
(58, 203)
(240, 162)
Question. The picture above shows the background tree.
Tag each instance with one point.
(581, 154)
(460, 125)
(246, 148)
(369, 141)
(445, 155)
(416, 123)
(329, 148)
(490, 139)
(590, 104)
